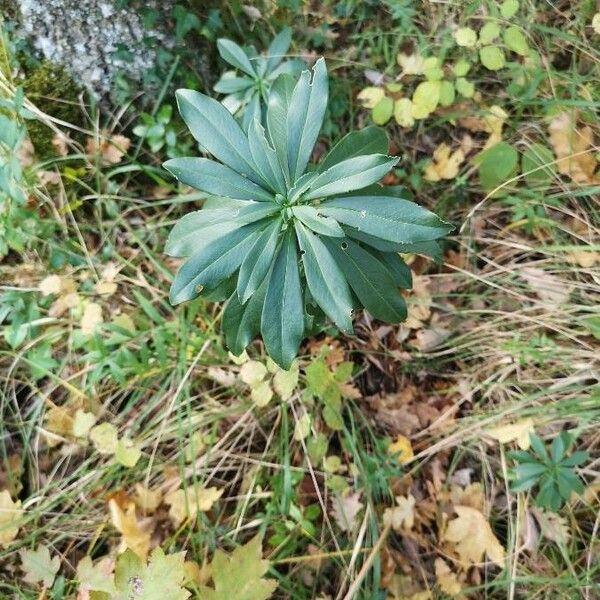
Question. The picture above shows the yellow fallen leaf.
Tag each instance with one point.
(446, 579)
(403, 448)
(445, 165)
(574, 148)
(127, 453)
(473, 538)
(370, 96)
(105, 288)
(583, 258)
(135, 535)
(92, 317)
(401, 517)
(514, 432)
(10, 515)
(59, 420)
(186, 504)
(82, 423)
(104, 437)
(425, 99)
(146, 499)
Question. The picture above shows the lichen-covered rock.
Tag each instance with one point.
(93, 39)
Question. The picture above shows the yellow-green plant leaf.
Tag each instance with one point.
(302, 428)
(516, 41)
(370, 96)
(464, 87)
(461, 68)
(253, 372)
(285, 382)
(127, 453)
(425, 99)
(509, 8)
(261, 394)
(403, 112)
(239, 575)
(382, 111)
(537, 167)
(82, 423)
(446, 93)
(105, 438)
(465, 37)
(432, 69)
(492, 58)
(488, 33)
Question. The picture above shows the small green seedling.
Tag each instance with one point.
(553, 473)
(247, 88)
(291, 244)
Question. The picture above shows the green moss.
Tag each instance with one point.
(53, 91)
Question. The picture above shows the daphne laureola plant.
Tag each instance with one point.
(292, 245)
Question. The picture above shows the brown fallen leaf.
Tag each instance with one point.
(574, 148)
(401, 517)
(110, 148)
(446, 578)
(518, 432)
(186, 504)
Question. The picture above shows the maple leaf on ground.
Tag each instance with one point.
(38, 566)
(515, 432)
(95, 577)
(186, 504)
(473, 537)
(240, 575)
(10, 515)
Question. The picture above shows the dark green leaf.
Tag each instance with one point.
(351, 174)
(211, 265)
(217, 131)
(235, 56)
(257, 262)
(313, 220)
(370, 140)
(241, 323)
(370, 280)
(576, 459)
(282, 321)
(197, 229)
(396, 266)
(390, 219)
(305, 117)
(214, 178)
(326, 282)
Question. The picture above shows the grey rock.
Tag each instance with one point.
(83, 36)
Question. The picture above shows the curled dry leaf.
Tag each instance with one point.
(445, 163)
(135, 534)
(111, 149)
(186, 504)
(518, 432)
(473, 538)
(574, 148)
(446, 578)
